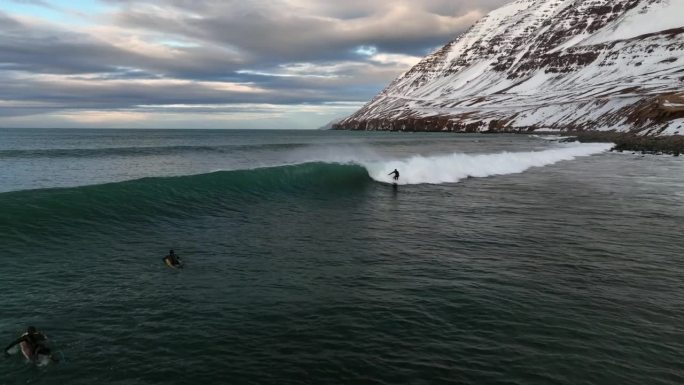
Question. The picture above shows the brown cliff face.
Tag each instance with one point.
(552, 64)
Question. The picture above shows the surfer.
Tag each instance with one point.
(32, 345)
(396, 174)
(172, 260)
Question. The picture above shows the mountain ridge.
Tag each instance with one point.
(570, 65)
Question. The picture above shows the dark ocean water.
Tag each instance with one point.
(520, 261)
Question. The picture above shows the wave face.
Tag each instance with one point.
(174, 197)
(452, 168)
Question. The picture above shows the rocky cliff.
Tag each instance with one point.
(547, 64)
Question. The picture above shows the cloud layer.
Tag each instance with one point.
(211, 63)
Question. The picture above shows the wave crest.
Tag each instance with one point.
(454, 167)
(148, 199)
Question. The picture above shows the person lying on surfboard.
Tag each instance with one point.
(172, 260)
(32, 344)
(396, 174)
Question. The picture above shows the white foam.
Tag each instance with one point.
(552, 138)
(452, 168)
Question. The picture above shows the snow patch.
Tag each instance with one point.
(667, 14)
(675, 127)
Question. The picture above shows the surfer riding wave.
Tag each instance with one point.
(452, 168)
(396, 174)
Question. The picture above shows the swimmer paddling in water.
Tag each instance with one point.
(172, 260)
(32, 344)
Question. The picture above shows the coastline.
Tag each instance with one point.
(672, 145)
(624, 141)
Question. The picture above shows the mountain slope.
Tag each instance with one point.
(552, 64)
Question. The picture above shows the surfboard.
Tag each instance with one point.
(25, 350)
(39, 360)
(168, 263)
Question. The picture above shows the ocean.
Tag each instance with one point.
(497, 259)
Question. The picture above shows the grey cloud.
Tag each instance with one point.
(289, 35)
(224, 37)
(41, 3)
(115, 95)
(43, 50)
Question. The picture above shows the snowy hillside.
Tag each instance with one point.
(547, 64)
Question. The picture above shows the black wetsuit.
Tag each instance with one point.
(396, 174)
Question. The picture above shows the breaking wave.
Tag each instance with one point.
(23, 212)
(454, 167)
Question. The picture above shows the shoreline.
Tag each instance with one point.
(671, 145)
(624, 141)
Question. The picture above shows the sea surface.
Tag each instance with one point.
(497, 259)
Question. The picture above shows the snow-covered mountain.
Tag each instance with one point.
(547, 64)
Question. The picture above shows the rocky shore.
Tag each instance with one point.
(673, 144)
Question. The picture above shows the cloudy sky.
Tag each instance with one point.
(211, 63)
